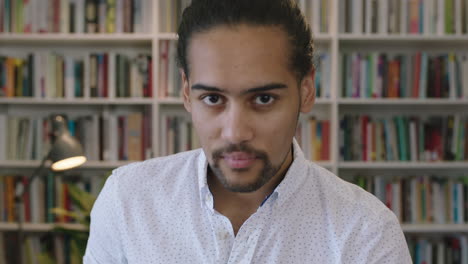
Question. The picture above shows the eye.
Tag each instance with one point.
(264, 99)
(212, 99)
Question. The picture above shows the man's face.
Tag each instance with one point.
(244, 100)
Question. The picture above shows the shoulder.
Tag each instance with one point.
(347, 196)
(157, 174)
(366, 224)
(159, 167)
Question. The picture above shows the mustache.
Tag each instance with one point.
(218, 154)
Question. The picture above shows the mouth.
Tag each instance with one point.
(239, 160)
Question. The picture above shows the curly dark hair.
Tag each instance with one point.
(203, 15)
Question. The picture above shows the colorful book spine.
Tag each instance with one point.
(404, 138)
(379, 75)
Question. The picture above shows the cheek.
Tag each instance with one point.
(204, 126)
(280, 123)
(276, 133)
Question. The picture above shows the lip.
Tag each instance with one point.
(239, 160)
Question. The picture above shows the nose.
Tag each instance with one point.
(236, 125)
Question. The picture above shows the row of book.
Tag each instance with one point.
(170, 83)
(317, 12)
(46, 192)
(419, 75)
(38, 249)
(421, 199)
(404, 17)
(75, 16)
(403, 138)
(439, 250)
(170, 14)
(177, 134)
(53, 75)
(106, 137)
(313, 136)
(322, 75)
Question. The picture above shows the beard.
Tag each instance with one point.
(267, 172)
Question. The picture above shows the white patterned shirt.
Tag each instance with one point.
(161, 211)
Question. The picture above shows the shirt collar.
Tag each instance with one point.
(202, 172)
(293, 179)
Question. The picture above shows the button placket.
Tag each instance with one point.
(247, 238)
(221, 228)
(209, 200)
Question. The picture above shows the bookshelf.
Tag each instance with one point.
(39, 228)
(334, 41)
(88, 101)
(434, 228)
(77, 38)
(89, 165)
(408, 228)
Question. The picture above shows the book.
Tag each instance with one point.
(135, 135)
(138, 16)
(325, 153)
(449, 22)
(357, 16)
(111, 16)
(128, 16)
(3, 137)
(101, 16)
(313, 138)
(91, 16)
(383, 16)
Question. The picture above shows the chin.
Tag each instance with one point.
(242, 188)
(243, 181)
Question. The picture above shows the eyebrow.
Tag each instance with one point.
(263, 88)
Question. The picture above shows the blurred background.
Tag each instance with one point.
(391, 113)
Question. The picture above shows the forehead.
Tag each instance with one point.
(241, 54)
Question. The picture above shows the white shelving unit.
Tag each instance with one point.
(435, 228)
(39, 228)
(407, 228)
(334, 42)
(411, 39)
(32, 164)
(75, 38)
(403, 101)
(392, 165)
(88, 101)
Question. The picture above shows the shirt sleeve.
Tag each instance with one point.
(104, 242)
(379, 242)
(392, 246)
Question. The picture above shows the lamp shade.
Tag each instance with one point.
(66, 152)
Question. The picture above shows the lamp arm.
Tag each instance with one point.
(21, 188)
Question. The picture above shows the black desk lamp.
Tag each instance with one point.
(66, 153)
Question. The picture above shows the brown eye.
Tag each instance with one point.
(212, 99)
(264, 99)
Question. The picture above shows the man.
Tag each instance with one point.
(249, 195)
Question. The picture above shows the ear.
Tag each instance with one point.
(308, 92)
(185, 91)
